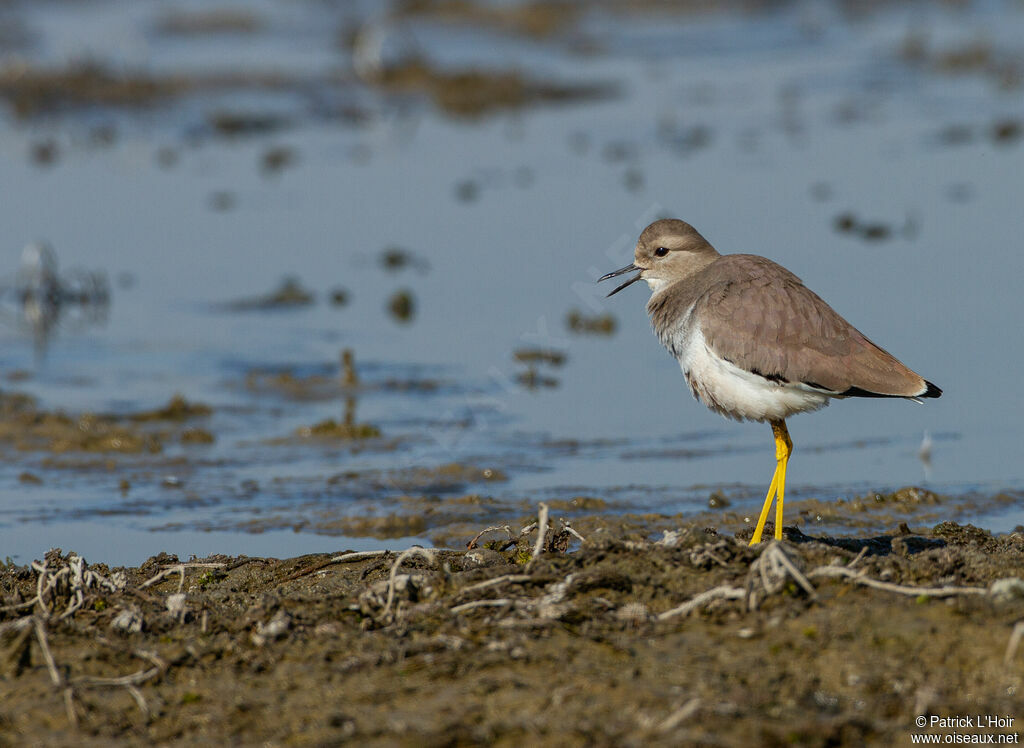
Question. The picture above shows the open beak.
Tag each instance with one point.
(628, 269)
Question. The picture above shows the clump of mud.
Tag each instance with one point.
(474, 93)
(289, 294)
(534, 19)
(694, 638)
(27, 427)
(596, 324)
(216, 21)
(534, 359)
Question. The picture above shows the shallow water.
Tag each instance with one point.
(759, 129)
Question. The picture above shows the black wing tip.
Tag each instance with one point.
(930, 391)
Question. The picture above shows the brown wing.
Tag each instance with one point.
(759, 316)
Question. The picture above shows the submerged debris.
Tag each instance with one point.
(535, 19)
(539, 356)
(473, 93)
(534, 358)
(28, 428)
(33, 91)
(347, 429)
(278, 158)
(177, 409)
(215, 21)
(597, 324)
(239, 124)
(396, 258)
(331, 429)
(41, 299)
(289, 294)
(402, 306)
(338, 297)
(873, 231)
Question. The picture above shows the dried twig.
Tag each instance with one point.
(860, 577)
(51, 665)
(345, 558)
(772, 568)
(499, 603)
(513, 578)
(679, 716)
(527, 529)
(715, 593)
(19, 606)
(139, 699)
(857, 559)
(1011, 646)
(571, 530)
(177, 569)
(472, 543)
(427, 553)
(542, 529)
(132, 679)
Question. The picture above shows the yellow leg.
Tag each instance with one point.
(764, 510)
(783, 449)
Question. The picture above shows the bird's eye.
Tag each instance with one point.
(660, 252)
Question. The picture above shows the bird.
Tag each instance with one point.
(754, 343)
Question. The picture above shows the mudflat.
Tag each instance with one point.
(690, 638)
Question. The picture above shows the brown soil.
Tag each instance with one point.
(488, 646)
(26, 427)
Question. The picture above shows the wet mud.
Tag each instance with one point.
(691, 638)
(28, 428)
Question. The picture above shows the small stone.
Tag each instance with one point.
(129, 620)
(275, 628)
(176, 605)
(1006, 590)
(670, 538)
(633, 613)
(485, 557)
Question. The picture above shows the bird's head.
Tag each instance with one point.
(668, 250)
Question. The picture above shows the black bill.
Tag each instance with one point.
(628, 269)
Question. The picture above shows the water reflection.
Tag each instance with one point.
(39, 299)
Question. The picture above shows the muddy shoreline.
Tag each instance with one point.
(693, 638)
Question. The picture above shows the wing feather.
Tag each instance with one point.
(762, 318)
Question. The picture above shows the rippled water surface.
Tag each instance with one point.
(876, 154)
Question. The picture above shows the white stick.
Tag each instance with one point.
(427, 553)
(499, 603)
(515, 578)
(729, 593)
(542, 529)
(860, 578)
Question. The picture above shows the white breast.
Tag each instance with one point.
(732, 391)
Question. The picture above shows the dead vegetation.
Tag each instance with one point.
(691, 638)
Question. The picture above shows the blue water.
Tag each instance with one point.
(759, 129)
